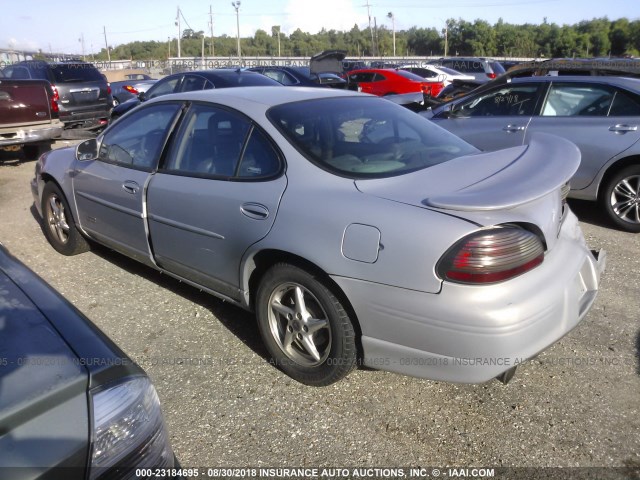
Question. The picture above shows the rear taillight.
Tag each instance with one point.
(55, 98)
(426, 89)
(491, 256)
(564, 192)
(108, 89)
(491, 75)
(130, 89)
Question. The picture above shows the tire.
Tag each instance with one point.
(58, 224)
(304, 326)
(621, 199)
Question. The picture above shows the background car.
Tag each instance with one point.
(391, 81)
(481, 68)
(192, 81)
(300, 76)
(71, 402)
(601, 115)
(442, 74)
(124, 90)
(81, 91)
(295, 203)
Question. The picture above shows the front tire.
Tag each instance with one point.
(304, 326)
(59, 226)
(621, 199)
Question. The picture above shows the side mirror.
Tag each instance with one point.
(87, 150)
(142, 97)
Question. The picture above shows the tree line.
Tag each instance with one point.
(598, 37)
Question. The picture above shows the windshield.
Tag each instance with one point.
(365, 137)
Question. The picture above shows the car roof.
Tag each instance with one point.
(631, 83)
(266, 96)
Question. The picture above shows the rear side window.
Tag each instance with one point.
(76, 72)
(210, 142)
(18, 73)
(578, 99)
(625, 104)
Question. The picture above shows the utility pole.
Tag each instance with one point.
(179, 32)
(373, 47)
(236, 5)
(211, 28)
(81, 40)
(106, 45)
(446, 39)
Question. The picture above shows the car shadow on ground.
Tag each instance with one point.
(235, 319)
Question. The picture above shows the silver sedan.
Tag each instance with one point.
(601, 115)
(358, 232)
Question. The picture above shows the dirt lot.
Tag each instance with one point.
(577, 404)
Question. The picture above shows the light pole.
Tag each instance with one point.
(236, 5)
(393, 28)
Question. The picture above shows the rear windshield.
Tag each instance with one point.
(76, 72)
(497, 67)
(410, 76)
(365, 137)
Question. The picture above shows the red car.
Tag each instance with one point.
(388, 81)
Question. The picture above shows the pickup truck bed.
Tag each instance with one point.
(28, 115)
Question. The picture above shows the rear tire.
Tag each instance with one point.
(620, 199)
(59, 227)
(304, 326)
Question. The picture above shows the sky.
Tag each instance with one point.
(62, 26)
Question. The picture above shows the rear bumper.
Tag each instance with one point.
(93, 118)
(30, 134)
(471, 334)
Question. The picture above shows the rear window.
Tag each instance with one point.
(365, 137)
(410, 76)
(465, 65)
(76, 72)
(497, 67)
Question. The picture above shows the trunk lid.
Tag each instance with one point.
(520, 184)
(489, 181)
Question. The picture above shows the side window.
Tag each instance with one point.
(260, 159)
(18, 73)
(136, 140)
(281, 77)
(625, 104)
(192, 83)
(377, 77)
(210, 142)
(578, 99)
(163, 88)
(507, 101)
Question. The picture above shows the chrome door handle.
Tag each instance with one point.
(623, 128)
(130, 187)
(256, 211)
(513, 128)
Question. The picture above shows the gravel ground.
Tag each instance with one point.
(577, 404)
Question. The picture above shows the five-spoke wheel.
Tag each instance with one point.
(304, 326)
(59, 227)
(621, 198)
